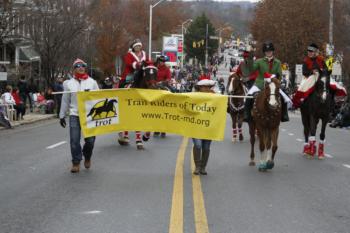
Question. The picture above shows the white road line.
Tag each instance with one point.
(299, 140)
(291, 134)
(56, 145)
(329, 156)
(346, 165)
(92, 212)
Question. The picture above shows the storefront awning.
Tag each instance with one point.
(28, 54)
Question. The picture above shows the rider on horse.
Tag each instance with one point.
(132, 62)
(313, 64)
(245, 68)
(267, 66)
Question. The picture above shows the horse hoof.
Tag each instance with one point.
(140, 147)
(144, 138)
(262, 167)
(270, 164)
(251, 163)
(234, 139)
(122, 142)
(308, 156)
(241, 138)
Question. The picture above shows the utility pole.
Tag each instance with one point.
(206, 48)
(331, 9)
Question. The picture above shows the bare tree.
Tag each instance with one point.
(10, 18)
(57, 30)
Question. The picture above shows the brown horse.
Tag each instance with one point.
(235, 106)
(266, 115)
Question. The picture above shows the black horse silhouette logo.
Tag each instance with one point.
(103, 109)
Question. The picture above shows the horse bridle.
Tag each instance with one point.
(240, 107)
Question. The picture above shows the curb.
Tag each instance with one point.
(16, 124)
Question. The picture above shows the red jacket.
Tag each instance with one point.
(17, 98)
(132, 63)
(164, 73)
(311, 64)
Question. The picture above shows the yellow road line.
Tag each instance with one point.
(177, 210)
(200, 215)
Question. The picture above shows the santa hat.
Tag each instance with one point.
(205, 82)
(268, 77)
(78, 61)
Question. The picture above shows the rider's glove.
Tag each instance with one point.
(63, 122)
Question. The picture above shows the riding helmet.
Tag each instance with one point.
(268, 46)
(162, 58)
(312, 47)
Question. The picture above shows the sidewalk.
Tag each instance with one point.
(31, 118)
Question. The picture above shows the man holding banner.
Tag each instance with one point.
(80, 82)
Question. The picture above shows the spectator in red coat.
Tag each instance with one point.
(20, 108)
(164, 74)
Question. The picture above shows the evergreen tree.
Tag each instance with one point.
(195, 38)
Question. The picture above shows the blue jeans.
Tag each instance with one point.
(201, 144)
(75, 147)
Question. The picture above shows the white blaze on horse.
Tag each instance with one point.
(235, 106)
(266, 117)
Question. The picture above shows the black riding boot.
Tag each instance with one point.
(197, 160)
(284, 115)
(248, 105)
(205, 157)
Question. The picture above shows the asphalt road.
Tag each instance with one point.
(154, 190)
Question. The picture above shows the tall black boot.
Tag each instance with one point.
(284, 115)
(205, 158)
(197, 160)
(248, 105)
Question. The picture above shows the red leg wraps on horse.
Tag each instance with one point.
(312, 146)
(321, 150)
(138, 136)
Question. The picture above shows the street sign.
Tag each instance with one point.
(5, 62)
(170, 43)
(3, 76)
(336, 70)
(299, 70)
(214, 37)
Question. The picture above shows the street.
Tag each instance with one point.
(133, 191)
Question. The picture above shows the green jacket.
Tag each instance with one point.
(262, 65)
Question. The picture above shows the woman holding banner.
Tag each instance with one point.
(201, 147)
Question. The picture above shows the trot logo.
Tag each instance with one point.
(102, 112)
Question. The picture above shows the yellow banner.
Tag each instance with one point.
(196, 115)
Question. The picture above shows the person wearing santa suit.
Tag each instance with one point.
(132, 62)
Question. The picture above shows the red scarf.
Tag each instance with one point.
(81, 76)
